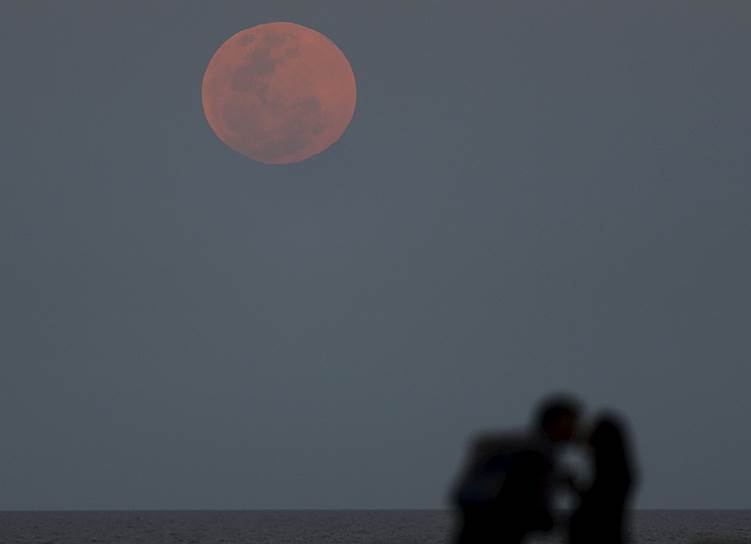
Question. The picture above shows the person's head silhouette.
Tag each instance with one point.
(609, 443)
(607, 435)
(557, 418)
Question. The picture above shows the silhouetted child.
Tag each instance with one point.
(600, 516)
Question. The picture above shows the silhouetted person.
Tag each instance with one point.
(504, 493)
(600, 516)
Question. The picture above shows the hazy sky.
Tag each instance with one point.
(532, 196)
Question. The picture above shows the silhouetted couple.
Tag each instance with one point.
(510, 482)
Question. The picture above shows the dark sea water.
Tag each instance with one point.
(321, 527)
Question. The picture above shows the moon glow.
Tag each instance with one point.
(278, 93)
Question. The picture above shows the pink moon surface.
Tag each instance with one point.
(279, 93)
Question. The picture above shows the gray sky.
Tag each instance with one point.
(531, 196)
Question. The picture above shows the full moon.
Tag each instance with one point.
(279, 93)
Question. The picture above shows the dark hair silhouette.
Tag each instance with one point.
(555, 409)
(600, 516)
(611, 453)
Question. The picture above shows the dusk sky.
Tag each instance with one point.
(531, 197)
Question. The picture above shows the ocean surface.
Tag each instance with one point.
(322, 527)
